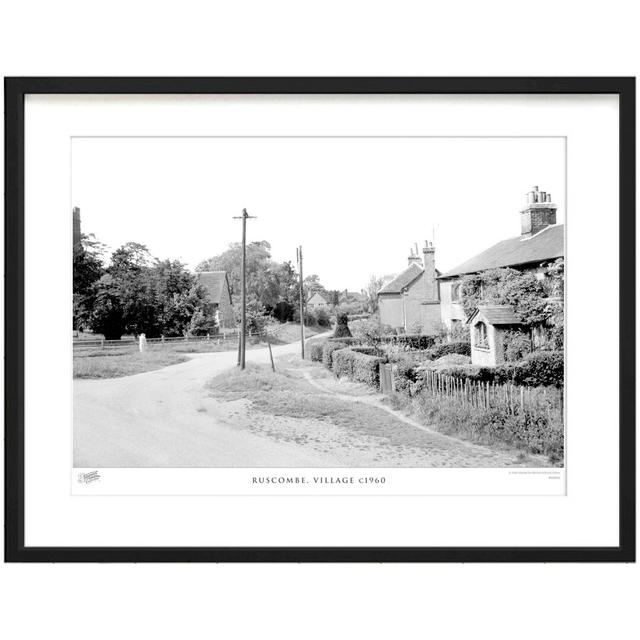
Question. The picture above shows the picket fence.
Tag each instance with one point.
(514, 399)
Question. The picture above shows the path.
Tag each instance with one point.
(163, 418)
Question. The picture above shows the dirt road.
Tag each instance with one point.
(163, 418)
(167, 418)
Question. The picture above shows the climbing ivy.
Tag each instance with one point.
(536, 302)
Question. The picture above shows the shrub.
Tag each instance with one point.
(322, 317)
(517, 345)
(542, 368)
(342, 326)
(405, 373)
(347, 340)
(357, 366)
(327, 351)
(452, 359)
(369, 351)
(463, 348)
(315, 349)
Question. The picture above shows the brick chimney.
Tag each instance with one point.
(430, 276)
(539, 213)
(76, 226)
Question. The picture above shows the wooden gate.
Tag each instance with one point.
(387, 378)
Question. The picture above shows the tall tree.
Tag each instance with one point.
(88, 268)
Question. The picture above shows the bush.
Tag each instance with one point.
(369, 351)
(463, 348)
(322, 317)
(315, 348)
(327, 351)
(540, 369)
(517, 345)
(452, 359)
(346, 340)
(357, 366)
(405, 372)
(342, 326)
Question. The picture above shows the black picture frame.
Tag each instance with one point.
(15, 91)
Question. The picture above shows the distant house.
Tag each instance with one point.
(540, 242)
(317, 301)
(411, 301)
(216, 285)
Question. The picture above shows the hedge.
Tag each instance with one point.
(327, 351)
(462, 348)
(315, 349)
(413, 341)
(539, 369)
(357, 366)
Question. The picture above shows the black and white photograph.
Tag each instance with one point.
(345, 302)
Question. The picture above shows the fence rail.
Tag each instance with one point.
(514, 399)
(132, 342)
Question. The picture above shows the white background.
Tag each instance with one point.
(401, 38)
(586, 516)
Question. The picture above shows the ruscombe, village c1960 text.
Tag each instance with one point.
(318, 479)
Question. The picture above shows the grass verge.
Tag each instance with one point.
(119, 364)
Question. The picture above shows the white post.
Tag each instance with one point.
(142, 342)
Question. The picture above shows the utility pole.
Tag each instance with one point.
(299, 258)
(243, 323)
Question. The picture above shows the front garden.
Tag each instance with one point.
(518, 403)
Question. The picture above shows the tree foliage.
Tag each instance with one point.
(88, 268)
(140, 294)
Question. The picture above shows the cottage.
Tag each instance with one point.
(317, 301)
(411, 301)
(488, 324)
(540, 242)
(216, 285)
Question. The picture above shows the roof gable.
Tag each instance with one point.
(215, 283)
(548, 244)
(317, 298)
(403, 280)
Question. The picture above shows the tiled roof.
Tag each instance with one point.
(496, 314)
(215, 282)
(403, 280)
(316, 294)
(548, 244)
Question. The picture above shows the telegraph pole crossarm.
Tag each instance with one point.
(243, 323)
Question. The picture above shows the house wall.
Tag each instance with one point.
(450, 310)
(486, 357)
(390, 309)
(495, 337)
(226, 314)
(430, 318)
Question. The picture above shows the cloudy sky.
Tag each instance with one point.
(356, 205)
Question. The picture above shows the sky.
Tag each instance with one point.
(356, 205)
